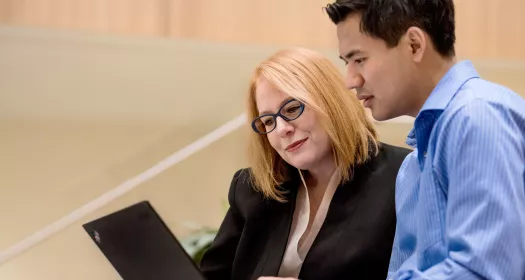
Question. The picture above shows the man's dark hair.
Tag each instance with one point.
(389, 19)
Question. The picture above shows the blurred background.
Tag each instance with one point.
(95, 92)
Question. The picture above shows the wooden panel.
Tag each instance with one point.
(265, 22)
(115, 16)
(136, 16)
(37, 12)
(3, 11)
(488, 29)
(491, 29)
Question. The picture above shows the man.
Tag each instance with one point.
(460, 196)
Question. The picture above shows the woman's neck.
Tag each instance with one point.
(322, 173)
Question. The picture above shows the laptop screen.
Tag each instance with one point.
(140, 246)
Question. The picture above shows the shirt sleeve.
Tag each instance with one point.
(482, 174)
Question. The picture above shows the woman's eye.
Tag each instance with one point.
(268, 122)
(293, 109)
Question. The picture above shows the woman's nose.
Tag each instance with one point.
(283, 127)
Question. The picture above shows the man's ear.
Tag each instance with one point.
(417, 42)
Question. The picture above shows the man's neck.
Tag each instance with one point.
(431, 73)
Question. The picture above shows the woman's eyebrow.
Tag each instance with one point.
(280, 105)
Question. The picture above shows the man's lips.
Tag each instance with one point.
(295, 145)
(364, 97)
(366, 100)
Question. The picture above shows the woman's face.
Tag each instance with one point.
(302, 143)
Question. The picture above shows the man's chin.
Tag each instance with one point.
(382, 116)
(379, 117)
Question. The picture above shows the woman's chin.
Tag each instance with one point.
(301, 164)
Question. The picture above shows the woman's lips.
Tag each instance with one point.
(295, 145)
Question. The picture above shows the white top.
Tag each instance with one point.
(295, 254)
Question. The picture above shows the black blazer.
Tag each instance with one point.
(354, 242)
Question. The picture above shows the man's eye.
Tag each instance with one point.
(359, 60)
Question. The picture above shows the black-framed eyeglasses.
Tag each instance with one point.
(290, 111)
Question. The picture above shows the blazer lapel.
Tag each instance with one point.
(281, 221)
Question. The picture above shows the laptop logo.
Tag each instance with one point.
(96, 235)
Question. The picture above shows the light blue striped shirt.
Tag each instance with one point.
(460, 195)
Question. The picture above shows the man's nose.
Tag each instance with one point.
(353, 79)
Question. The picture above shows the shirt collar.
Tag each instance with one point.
(443, 93)
(411, 138)
(447, 87)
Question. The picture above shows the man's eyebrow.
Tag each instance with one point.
(350, 54)
(280, 105)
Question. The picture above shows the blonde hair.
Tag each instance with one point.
(312, 79)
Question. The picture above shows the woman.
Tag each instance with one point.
(318, 200)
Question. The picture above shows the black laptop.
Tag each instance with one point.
(140, 246)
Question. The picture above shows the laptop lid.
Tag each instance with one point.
(139, 245)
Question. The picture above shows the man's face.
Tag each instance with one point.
(381, 76)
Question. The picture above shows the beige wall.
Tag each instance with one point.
(81, 113)
(189, 192)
